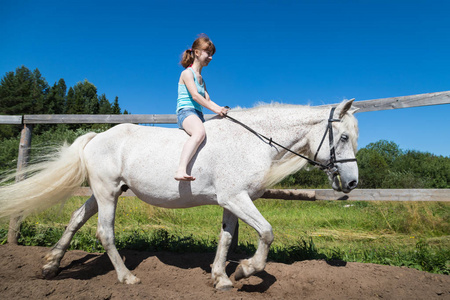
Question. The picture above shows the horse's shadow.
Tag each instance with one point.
(94, 265)
(84, 268)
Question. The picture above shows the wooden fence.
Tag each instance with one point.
(364, 106)
(328, 194)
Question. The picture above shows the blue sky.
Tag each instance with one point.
(296, 52)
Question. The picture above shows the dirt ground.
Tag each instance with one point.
(187, 276)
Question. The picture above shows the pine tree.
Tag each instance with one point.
(22, 92)
(86, 99)
(70, 102)
(116, 108)
(26, 92)
(39, 92)
(56, 98)
(105, 105)
(15, 92)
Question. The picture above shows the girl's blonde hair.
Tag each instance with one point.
(201, 43)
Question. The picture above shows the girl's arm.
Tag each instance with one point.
(188, 79)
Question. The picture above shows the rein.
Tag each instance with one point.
(331, 167)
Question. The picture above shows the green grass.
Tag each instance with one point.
(413, 234)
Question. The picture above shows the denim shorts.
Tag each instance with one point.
(186, 112)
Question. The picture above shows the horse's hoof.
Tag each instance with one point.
(223, 284)
(224, 288)
(239, 274)
(50, 273)
(131, 280)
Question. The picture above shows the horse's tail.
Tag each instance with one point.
(50, 182)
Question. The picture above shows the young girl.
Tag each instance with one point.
(192, 97)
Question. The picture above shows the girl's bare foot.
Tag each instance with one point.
(184, 177)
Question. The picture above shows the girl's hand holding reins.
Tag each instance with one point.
(223, 111)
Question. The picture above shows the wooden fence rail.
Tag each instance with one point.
(364, 106)
(442, 195)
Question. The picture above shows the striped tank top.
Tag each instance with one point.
(185, 98)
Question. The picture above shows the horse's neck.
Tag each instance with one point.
(287, 125)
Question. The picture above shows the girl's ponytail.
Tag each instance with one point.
(187, 58)
(201, 43)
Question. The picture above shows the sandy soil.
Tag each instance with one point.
(187, 276)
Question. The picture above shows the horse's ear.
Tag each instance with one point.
(344, 107)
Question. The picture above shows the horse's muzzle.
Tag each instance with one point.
(343, 186)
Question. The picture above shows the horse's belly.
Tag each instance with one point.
(170, 193)
(176, 201)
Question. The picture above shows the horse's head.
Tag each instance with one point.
(335, 147)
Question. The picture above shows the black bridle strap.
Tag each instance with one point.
(313, 162)
(329, 130)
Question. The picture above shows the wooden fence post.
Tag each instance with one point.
(22, 162)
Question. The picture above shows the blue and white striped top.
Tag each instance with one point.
(185, 98)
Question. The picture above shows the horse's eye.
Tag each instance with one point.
(344, 137)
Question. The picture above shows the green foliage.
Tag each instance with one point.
(373, 168)
(9, 148)
(390, 151)
(306, 178)
(21, 92)
(422, 257)
(116, 108)
(105, 107)
(434, 171)
(383, 165)
(27, 92)
(41, 144)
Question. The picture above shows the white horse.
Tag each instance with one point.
(233, 167)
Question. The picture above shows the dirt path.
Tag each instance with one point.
(187, 276)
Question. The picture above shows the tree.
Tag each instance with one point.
(26, 92)
(86, 99)
(116, 107)
(70, 102)
(15, 92)
(373, 168)
(39, 92)
(104, 105)
(22, 92)
(56, 98)
(390, 151)
(433, 170)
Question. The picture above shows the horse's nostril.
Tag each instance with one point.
(352, 184)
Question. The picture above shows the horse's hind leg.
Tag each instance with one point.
(219, 276)
(79, 217)
(105, 233)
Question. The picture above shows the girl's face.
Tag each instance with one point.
(203, 56)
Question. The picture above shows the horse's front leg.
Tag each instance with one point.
(79, 217)
(242, 207)
(219, 276)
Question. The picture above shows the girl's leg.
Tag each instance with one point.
(194, 127)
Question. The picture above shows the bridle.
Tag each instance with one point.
(331, 167)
